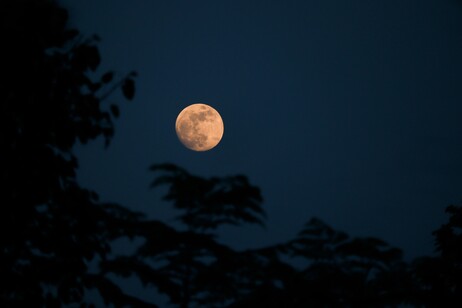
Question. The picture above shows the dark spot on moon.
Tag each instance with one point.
(192, 137)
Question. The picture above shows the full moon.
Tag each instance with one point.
(199, 127)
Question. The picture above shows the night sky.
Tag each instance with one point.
(349, 111)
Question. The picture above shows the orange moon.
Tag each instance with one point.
(199, 127)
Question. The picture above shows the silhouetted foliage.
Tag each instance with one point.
(186, 265)
(50, 227)
(439, 278)
(209, 203)
(56, 237)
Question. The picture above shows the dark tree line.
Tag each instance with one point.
(53, 231)
(50, 226)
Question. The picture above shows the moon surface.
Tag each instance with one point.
(199, 127)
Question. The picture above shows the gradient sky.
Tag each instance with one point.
(349, 111)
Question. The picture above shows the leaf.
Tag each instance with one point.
(115, 110)
(93, 57)
(86, 57)
(107, 77)
(128, 88)
(94, 86)
(70, 34)
(112, 293)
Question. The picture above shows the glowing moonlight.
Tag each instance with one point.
(199, 127)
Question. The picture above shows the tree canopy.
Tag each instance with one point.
(51, 227)
(56, 237)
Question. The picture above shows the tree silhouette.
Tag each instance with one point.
(332, 270)
(51, 228)
(186, 265)
(439, 278)
(210, 203)
(194, 269)
(56, 237)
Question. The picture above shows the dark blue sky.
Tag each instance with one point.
(349, 111)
